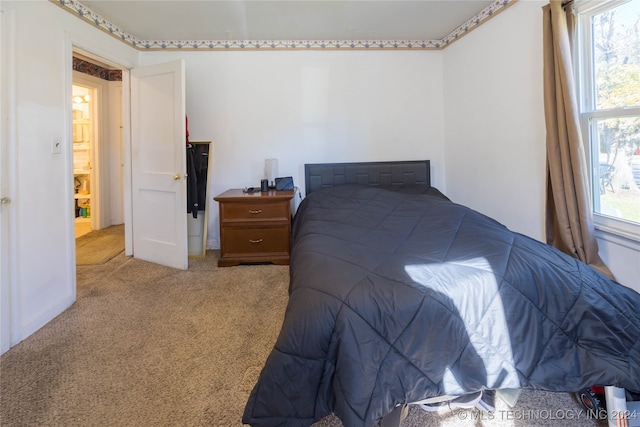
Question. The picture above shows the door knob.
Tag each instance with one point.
(5, 201)
(176, 176)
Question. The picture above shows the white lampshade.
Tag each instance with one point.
(271, 169)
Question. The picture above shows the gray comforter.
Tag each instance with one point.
(397, 296)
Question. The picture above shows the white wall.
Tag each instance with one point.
(494, 119)
(42, 283)
(310, 107)
(622, 256)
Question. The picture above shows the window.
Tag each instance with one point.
(609, 91)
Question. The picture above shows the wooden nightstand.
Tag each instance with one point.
(254, 227)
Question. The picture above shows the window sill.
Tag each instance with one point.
(618, 236)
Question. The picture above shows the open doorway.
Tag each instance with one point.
(98, 160)
(84, 139)
(150, 129)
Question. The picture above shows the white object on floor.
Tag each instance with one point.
(453, 402)
(618, 408)
(509, 396)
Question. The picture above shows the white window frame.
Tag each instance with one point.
(585, 83)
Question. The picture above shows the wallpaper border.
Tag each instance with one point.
(86, 67)
(96, 20)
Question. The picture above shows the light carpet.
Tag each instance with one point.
(146, 345)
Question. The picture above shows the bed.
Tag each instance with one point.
(398, 295)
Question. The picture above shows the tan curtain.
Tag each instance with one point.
(569, 219)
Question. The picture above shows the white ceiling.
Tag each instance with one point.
(154, 20)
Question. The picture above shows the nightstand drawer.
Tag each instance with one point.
(247, 241)
(255, 211)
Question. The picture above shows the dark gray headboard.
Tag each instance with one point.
(407, 172)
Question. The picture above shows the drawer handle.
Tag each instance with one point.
(255, 241)
(256, 211)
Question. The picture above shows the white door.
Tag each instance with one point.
(5, 253)
(158, 164)
(6, 50)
